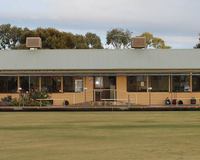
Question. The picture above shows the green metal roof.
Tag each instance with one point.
(127, 59)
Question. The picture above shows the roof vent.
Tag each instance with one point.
(138, 42)
(33, 42)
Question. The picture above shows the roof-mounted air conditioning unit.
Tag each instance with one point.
(33, 42)
(138, 42)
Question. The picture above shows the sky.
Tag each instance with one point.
(176, 21)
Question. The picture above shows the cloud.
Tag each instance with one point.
(181, 41)
(172, 18)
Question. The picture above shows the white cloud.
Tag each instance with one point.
(171, 18)
(181, 41)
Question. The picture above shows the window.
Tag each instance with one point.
(107, 82)
(181, 83)
(51, 84)
(8, 84)
(159, 83)
(72, 84)
(98, 82)
(29, 83)
(137, 84)
(78, 85)
(196, 83)
(68, 84)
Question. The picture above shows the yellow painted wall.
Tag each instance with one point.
(139, 98)
(14, 95)
(153, 98)
(73, 98)
(76, 98)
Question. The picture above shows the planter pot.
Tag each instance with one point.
(180, 102)
(167, 102)
(193, 101)
(66, 103)
(174, 101)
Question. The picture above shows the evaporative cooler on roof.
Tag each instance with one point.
(138, 42)
(33, 42)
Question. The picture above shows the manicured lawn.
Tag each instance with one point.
(100, 136)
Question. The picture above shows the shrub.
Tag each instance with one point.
(27, 100)
(39, 95)
(6, 101)
(14, 102)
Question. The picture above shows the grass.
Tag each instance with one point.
(100, 136)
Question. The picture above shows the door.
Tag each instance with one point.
(104, 88)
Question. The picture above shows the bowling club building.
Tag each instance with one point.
(137, 76)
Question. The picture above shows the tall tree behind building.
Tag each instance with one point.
(154, 42)
(80, 42)
(12, 37)
(198, 44)
(93, 41)
(119, 38)
(54, 39)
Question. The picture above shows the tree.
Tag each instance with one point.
(159, 43)
(154, 42)
(80, 42)
(119, 38)
(51, 38)
(149, 38)
(93, 41)
(68, 40)
(54, 39)
(10, 36)
(198, 44)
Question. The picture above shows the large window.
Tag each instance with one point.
(29, 83)
(159, 83)
(72, 84)
(51, 84)
(181, 83)
(8, 84)
(196, 83)
(137, 84)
